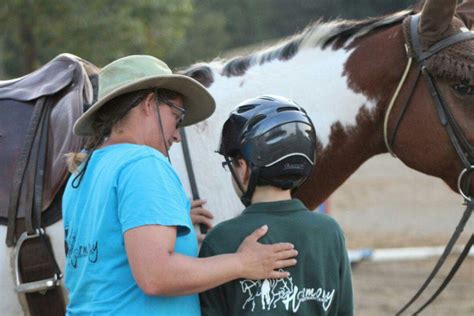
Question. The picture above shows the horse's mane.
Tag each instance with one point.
(319, 34)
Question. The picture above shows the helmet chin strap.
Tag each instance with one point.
(246, 197)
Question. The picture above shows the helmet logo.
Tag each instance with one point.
(293, 166)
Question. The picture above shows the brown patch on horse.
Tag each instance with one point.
(348, 149)
(371, 79)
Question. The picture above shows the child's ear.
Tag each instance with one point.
(245, 170)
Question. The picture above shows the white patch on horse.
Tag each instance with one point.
(314, 78)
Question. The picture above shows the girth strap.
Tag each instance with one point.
(21, 168)
(37, 274)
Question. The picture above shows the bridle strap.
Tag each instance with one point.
(447, 250)
(456, 38)
(453, 271)
(461, 145)
(388, 143)
(421, 55)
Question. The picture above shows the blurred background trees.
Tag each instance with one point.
(179, 31)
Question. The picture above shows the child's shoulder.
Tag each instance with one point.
(225, 230)
(321, 221)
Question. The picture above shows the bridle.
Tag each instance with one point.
(464, 149)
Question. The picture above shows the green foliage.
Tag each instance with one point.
(35, 31)
(222, 25)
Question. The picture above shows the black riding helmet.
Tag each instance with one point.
(276, 138)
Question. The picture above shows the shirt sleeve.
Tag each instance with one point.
(213, 301)
(346, 306)
(150, 193)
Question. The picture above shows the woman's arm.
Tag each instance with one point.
(158, 270)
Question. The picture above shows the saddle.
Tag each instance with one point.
(38, 113)
(64, 86)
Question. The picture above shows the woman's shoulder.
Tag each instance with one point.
(129, 153)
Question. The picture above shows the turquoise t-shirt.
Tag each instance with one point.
(125, 186)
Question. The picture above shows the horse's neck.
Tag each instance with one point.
(374, 74)
(336, 87)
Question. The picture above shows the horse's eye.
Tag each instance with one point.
(464, 89)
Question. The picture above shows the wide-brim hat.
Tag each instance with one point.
(139, 72)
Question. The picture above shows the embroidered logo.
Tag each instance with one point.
(272, 292)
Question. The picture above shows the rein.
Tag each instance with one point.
(462, 146)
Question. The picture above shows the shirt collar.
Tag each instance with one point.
(278, 206)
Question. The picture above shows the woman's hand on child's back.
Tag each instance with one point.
(260, 261)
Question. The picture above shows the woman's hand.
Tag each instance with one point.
(261, 261)
(200, 215)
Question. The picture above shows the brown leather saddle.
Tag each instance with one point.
(37, 113)
(63, 85)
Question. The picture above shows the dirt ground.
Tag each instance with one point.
(383, 288)
(384, 205)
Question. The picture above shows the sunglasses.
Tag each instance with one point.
(180, 110)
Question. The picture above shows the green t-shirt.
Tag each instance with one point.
(320, 284)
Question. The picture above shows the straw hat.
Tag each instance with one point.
(137, 72)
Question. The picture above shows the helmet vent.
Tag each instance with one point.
(255, 120)
(287, 108)
(275, 136)
(245, 108)
(267, 98)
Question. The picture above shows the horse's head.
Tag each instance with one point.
(431, 127)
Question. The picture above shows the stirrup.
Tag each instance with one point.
(35, 286)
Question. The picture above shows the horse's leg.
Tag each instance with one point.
(9, 301)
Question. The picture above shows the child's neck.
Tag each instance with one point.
(270, 194)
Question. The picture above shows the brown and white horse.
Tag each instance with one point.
(345, 74)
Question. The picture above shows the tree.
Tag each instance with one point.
(35, 31)
(180, 31)
(222, 25)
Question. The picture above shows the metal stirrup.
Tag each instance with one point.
(36, 286)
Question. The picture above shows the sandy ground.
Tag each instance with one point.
(383, 288)
(386, 204)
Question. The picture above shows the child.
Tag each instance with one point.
(268, 144)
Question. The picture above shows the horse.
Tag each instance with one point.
(345, 74)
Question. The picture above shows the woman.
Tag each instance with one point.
(131, 246)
